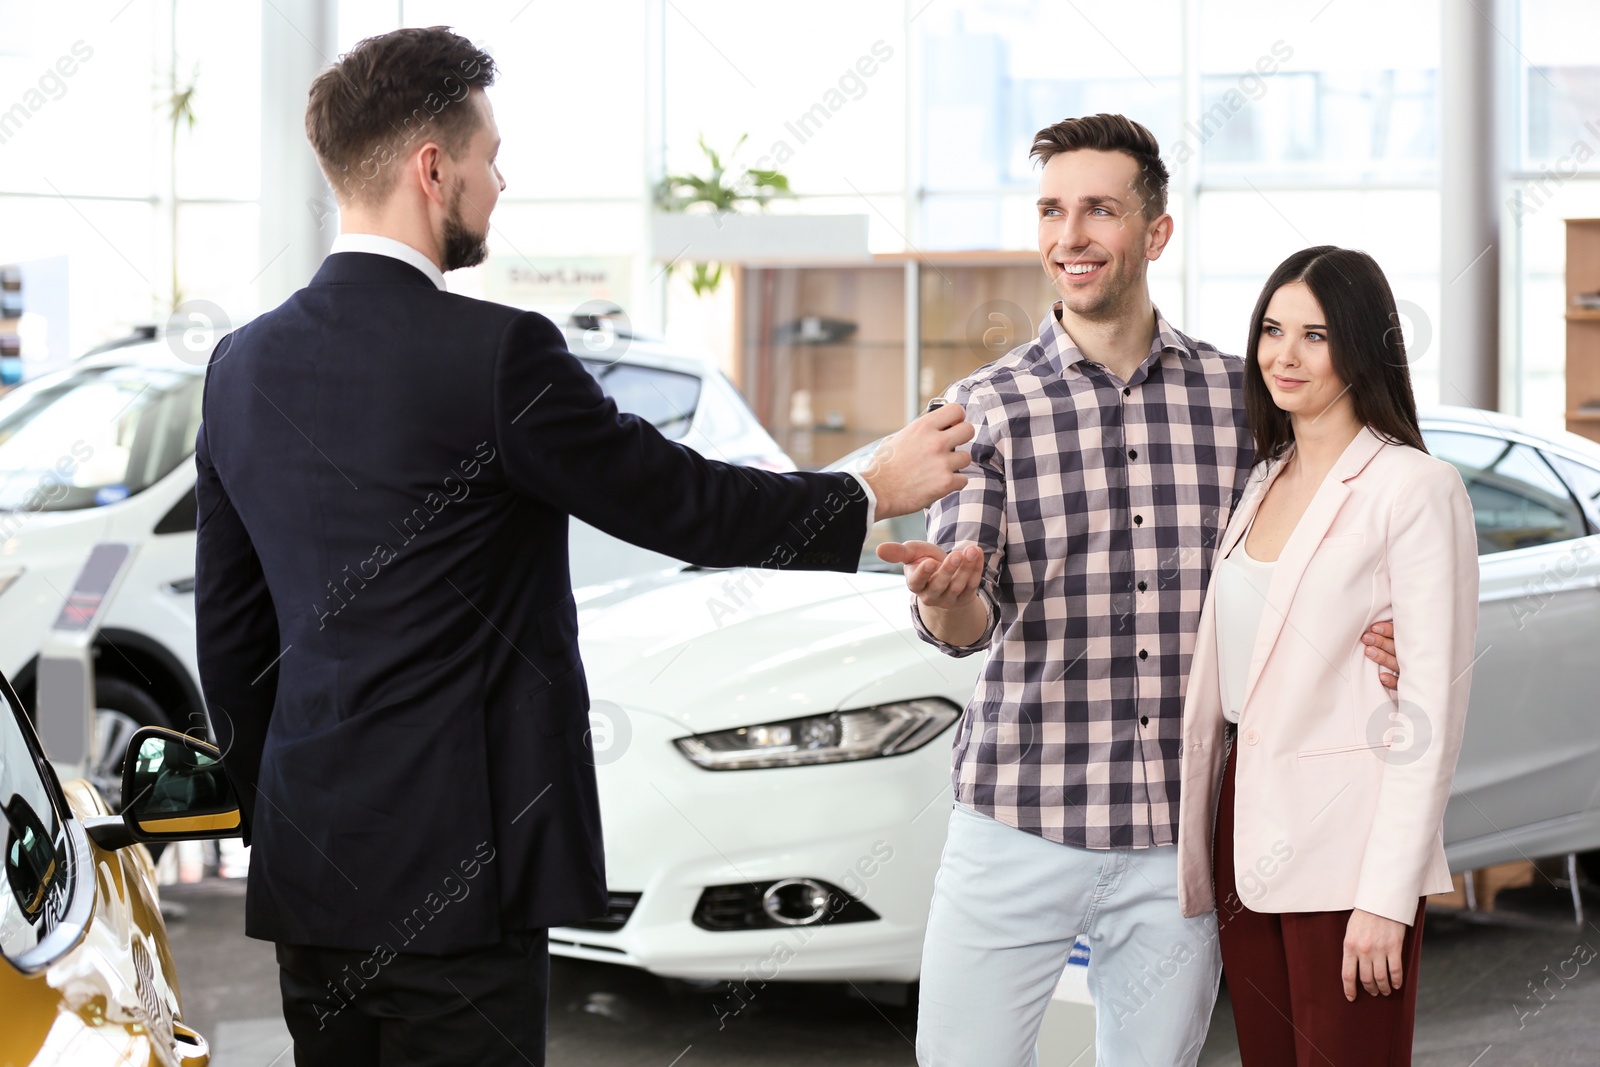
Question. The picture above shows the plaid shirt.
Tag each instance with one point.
(1098, 505)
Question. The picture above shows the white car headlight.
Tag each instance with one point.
(885, 730)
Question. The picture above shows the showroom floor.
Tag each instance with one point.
(1477, 1008)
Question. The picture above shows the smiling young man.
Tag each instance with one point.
(1109, 453)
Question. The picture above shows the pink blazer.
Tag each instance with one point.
(1341, 784)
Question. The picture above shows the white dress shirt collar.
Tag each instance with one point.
(378, 245)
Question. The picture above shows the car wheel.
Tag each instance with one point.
(120, 709)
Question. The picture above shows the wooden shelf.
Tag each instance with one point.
(1583, 345)
(955, 300)
(833, 347)
(970, 258)
(960, 344)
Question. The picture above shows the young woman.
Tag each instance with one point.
(1313, 797)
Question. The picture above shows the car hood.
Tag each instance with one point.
(716, 649)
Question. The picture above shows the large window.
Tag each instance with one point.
(87, 151)
(1559, 78)
(1315, 130)
(1245, 233)
(1291, 131)
(819, 90)
(570, 95)
(571, 99)
(1556, 176)
(1317, 97)
(1282, 125)
(993, 74)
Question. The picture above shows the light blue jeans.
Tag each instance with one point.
(1007, 906)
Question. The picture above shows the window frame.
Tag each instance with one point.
(1539, 448)
(1591, 507)
(597, 368)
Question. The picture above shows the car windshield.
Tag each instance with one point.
(665, 398)
(90, 436)
(912, 527)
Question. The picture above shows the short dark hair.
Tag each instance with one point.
(1110, 133)
(1364, 341)
(368, 108)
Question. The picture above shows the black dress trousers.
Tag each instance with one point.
(387, 1009)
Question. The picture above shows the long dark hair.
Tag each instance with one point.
(1364, 341)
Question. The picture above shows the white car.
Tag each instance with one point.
(104, 450)
(774, 747)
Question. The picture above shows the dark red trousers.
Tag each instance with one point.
(1283, 975)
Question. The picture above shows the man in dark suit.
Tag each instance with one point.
(388, 640)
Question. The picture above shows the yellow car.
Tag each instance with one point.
(88, 978)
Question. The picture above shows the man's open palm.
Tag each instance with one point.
(938, 579)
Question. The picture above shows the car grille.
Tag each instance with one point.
(619, 906)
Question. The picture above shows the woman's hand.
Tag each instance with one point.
(1372, 946)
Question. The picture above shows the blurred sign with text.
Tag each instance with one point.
(558, 284)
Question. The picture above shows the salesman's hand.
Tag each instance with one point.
(918, 465)
(1372, 949)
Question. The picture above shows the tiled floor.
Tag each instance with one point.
(1476, 1004)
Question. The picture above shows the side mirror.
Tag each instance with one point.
(173, 789)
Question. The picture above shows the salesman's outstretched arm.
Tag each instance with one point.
(237, 632)
(565, 443)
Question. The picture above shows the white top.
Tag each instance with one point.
(387, 246)
(1241, 597)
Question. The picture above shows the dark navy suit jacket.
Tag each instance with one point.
(387, 635)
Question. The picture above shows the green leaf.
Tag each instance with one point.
(679, 192)
(706, 278)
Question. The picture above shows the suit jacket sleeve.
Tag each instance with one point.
(237, 630)
(1433, 577)
(565, 443)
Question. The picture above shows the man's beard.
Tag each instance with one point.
(458, 246)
